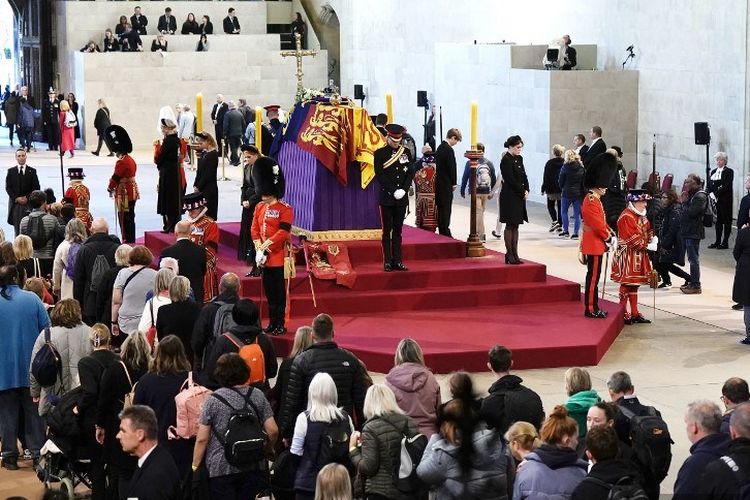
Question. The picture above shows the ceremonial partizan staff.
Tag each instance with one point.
(597, 238)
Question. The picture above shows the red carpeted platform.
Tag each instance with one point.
(455, 307)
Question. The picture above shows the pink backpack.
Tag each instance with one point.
(189, 403)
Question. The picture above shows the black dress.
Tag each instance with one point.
(515, 184)
(245, 245)
(205, 181)
(178, 318)
(169, 201)
(74, 108)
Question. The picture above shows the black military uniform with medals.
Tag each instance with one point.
(394, 172)
(51, 120)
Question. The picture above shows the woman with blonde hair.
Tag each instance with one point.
(522, 438)
(302, 340)
(63, 267)
(120, 379)
(322, 418)
(157, 389)
(68, 124)
(179, 316)
(70, 336)
(551, 186)
(580, 396)
(333, 483)
(90, 370)
(205, 177)
(129, 291)
(571, 187)
(160, 298)
(379, 445)
(554, 469)
(416, 388)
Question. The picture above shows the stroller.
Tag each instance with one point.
(63, 456)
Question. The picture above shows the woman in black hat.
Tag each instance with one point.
(513, 196)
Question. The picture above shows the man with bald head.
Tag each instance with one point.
(217, 116)
(96, 257)
(724, 477)
(191, 258)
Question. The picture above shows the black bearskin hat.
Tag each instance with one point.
(268, 178)
(600, 172)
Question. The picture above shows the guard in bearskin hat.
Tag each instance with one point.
(205, 234)
(122, 185)
(270, 232)
(597, 238)
(631, 266)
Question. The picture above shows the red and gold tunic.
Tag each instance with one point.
(206, 234)
(272, 224)
(424, 181)
(80, 195)
(595, 229)
(631, 264)
(123, 184)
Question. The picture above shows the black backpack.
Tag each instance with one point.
(36, 231)
(334, 443)
(245, 440)
(742, 479)
(46, 366)
(404, 472)
(625, 488)
(651, 442)
(100, 267)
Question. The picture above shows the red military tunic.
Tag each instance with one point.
(123, 183)
(80, 195)
(631, 264)
(272, 224)
(206, 234)
(595, 229)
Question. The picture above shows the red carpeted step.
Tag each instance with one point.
(540, 336)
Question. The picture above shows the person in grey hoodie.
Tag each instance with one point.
(552, 471)
(479, 467)
(416, 388)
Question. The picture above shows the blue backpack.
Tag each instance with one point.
(46, 366)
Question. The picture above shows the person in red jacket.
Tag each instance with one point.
(122, 185)
(597, 237)
(272, 224)
(631, 266)
(205, 234)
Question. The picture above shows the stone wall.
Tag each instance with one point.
(691, 58)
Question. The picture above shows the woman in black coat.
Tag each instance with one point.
(102, 120)
(721, 191)
(206, 27)
(157, 390)
(513, 196)
(119, 380)
(614, 200)
(179, 317)
(551, 186)
(571, 185)
(671, 252)
(741, 288)
(205, 177)
(111, 43)
(169, 201)
(190, 26)
(249, 199)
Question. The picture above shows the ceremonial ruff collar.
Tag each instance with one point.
(631, 207)
(201, 214)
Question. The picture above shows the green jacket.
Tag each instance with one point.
(578, 406)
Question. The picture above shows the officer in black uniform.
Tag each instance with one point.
(394, 172)
(51, 120)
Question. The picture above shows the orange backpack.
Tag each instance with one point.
(253, 356)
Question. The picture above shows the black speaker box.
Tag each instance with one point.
(359, 91)
(422, 98)
(702, 133)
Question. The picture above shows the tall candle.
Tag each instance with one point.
(258, 127)
(474, 111)
(199, 112)
(389, 107)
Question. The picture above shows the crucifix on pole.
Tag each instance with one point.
(298, 53)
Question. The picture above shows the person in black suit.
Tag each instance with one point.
(51, 120)
(156, 477)
(20, 181)
(190, 257)
(720, 190)
(217, 116)
(446, 179)
(130, 40)
(249, 199)
(570, 55)
(167, 23)
(205, 178)
(394, 172)
(598, 146)
(231, 23)
(513, 196)
(139, 21)
(743, 215)
(579, 145)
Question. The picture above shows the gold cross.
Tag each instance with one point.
(299, 54)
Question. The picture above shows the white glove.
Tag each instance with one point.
(712, 196)
(613, 242)
(260, 258)
(651, 247)
(399, 193)
(654, 240)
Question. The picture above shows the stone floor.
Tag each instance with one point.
(686, 354)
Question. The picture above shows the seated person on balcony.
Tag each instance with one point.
(231, 23)
(159, 44)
